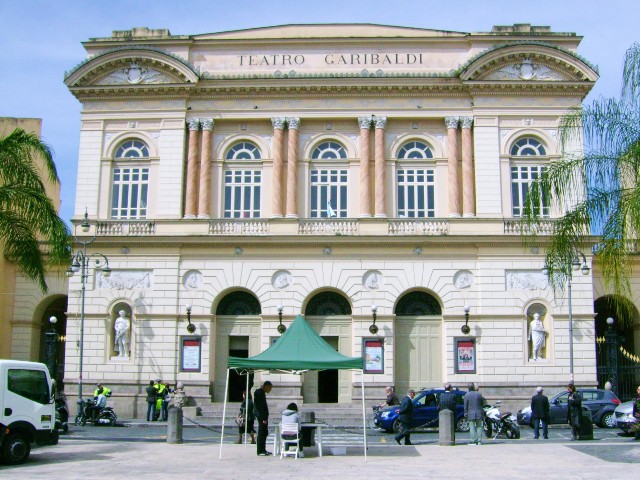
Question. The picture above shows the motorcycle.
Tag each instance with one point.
(106, 416)
(62, 412)
(499, 423)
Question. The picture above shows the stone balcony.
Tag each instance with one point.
(257, 227)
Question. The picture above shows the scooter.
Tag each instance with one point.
(106, 416)
(499, 423)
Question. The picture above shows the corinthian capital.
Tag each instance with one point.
(278, 123)
(293, 123)
(451, 122)
(466, 122)
(364, 122)
(207, 123)
(381, 122)
(193, 123)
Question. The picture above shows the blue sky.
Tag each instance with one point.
(40, 40)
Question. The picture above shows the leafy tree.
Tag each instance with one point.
(598, 188)
(27, 215)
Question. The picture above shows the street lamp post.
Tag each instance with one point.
(578, 262)
(80, 262)
(50, 350)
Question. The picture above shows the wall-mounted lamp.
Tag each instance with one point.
(281, 328)
(191, 328)
(465, 329)
(373, 328)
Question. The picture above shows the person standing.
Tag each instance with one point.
(262, 414)
(405, 417)
(447, 401)
(151, 402)
(246, 412)
(574, 411)
(540, 413)
(636, 415)
(473, 403)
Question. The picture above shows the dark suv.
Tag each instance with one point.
(425, 412)
(602, 404)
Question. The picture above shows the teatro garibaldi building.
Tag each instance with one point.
(355, 174)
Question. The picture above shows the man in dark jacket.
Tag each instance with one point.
(447, 401)
(540, 413)
(405, 416)
(261, 410)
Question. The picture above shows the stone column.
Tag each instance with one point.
(204, 194)
(278, 161)
(454, 186)
(292, 167)
(468, 190)
(379, 194)
(365, 181)
(192, 170)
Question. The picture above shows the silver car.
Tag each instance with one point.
(624, 416)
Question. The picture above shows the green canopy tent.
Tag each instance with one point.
(300, 349)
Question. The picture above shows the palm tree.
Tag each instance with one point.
(598, 188)
(27, 215)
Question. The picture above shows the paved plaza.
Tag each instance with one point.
(146, 455)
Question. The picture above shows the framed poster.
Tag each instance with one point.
(190, 354)
(464, 353)
(373, 350)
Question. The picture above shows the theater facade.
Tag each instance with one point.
(357, 174)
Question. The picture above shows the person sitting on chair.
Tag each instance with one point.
(289, 416)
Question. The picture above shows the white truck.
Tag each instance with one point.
(27, 409)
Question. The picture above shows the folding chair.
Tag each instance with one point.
(289, 435)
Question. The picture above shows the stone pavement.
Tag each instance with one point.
(71, 460)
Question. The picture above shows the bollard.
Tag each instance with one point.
(174, 425)
(447, 432)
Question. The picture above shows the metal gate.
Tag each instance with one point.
(617, 366)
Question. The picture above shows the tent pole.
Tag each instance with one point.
(246, 409)
(364, 419)
(224, 413)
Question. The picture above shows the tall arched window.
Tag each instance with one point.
(328, 304)
(528, 159)
(329, 181)
(242, 182)
(415, 182)
(239, 303)
(130, 180)
(414, 304)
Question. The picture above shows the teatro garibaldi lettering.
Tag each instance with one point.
(333, 59)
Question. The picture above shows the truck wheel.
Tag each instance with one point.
(15, 448)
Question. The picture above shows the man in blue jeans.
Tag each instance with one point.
(473, 403)
(540, 413)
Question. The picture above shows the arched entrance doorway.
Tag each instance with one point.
(617, 344)
(418, 354)
(238, 325)
(53, 353)
(329, 313)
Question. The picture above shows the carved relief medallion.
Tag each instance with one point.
(192, 280)
(463, 279)
(281, 279)
(373, 280)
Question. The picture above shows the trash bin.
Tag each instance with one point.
(307, 432)
(585, 431)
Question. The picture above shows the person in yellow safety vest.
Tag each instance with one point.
(161, 388)
(105, 391)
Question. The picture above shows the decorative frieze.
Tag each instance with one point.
(126, 280)
(526, 280)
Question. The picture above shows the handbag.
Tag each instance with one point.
(239, 420)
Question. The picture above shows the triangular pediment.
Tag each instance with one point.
(328, 31)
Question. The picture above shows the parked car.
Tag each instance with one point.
(602, 404)
(425, 412)
(624, 416)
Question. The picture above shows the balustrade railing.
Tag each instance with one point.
(126, 228)
(418, 227)
(518, 227)
(252, 226)
(329, 226)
